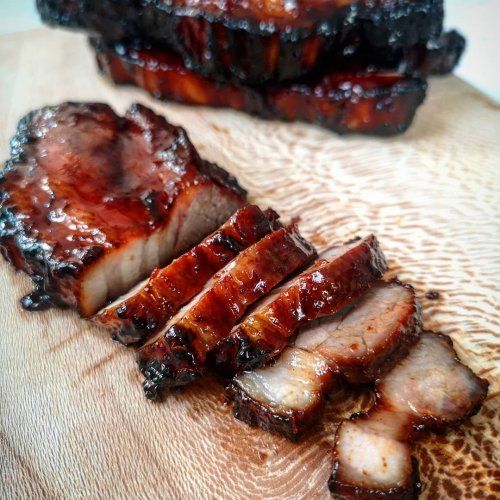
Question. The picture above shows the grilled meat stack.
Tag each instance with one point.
(350, 66)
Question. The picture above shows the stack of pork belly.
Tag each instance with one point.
(353, 66)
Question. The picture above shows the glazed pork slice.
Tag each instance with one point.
(340, 276)
(347, 102)
(428, 390)
(253, 42)
(358, 344)
(146, 309)
(178, 353)
(91, 202)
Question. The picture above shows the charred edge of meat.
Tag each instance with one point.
(293, 425)
(250, 50)
(348, 491)
(381, 104)
(168, 363)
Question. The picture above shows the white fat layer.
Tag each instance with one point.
(120, 270)
(294, 382)
(431, 382)
(371, 461)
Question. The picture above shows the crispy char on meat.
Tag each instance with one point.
(143, 311)
(430, 389)
(91, 202)
(380, 103)
(338, 277)
(254, 42)
(357, 345)
(178, 353)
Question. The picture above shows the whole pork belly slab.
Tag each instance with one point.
(429, 389)
(347, 102)
(91, 202)
(178, 354)
(143, 311)
(358, 344)
(254, 42)
(340, 276)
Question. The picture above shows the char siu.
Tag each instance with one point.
(340, 276)
(178, 353)
(91, 202)
(430, 389)
(380, 103)
(356, 345)
(146, 309)
(255, 42)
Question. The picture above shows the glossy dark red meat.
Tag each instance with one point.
(339, 277)
(254, 42)
(91, 202)
(137, 316)
(365, 103)
(178, 353)
(428, 390)
(359, 344)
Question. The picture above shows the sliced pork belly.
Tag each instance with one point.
(429, 389)
(340, 276)
(136, 316)
(91, 202)
(357, 344)
(177, 355)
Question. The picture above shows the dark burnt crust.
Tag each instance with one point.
(169, 363)
(258, 50)
(371, 105)
(340, 490)
(292, 424)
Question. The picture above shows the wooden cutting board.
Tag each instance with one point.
(73, 420)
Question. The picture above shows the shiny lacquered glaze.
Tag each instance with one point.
(381, 103)
(428, 390)
(83, 183)
(135, 318)
(359, 344)
(256, 41)
(340, 276)
(179, 352)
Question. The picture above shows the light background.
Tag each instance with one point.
(477, 19)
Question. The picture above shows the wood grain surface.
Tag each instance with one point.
(73, 420)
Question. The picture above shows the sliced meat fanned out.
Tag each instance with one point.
(429, 390)
(178, 354)
(145, 310)
(91, 202)
(347, 101)
(357, 344)
(340, 276)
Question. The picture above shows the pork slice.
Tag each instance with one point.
(146, 309)
(357, 344)
(178, 353)
(340, 276)
(91, 202)
(429, 389)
